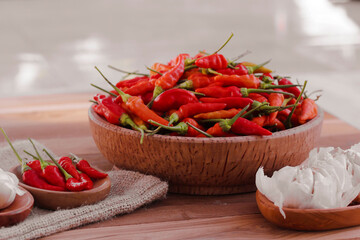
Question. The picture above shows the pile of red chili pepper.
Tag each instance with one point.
(206, 95)
(67, 174)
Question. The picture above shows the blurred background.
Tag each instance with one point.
(51, 47)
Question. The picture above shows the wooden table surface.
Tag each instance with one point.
(60, 122)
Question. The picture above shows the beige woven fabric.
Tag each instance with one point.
(129, 191)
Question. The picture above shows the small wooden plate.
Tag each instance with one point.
(309, 219)
(54, 200)
(18, 210)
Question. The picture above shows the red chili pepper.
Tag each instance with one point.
(197, 80)
(279, 125)
(308, 111)
(294, 90)
(173, 99)
(67, 164)
(35, 165)
(30, 176)
(159, 67)
(85, 178)
(170, 78)
(49, 172)
(214, 61)
(239, 70)
(257, 97)
(131, 82)
(261, 69)
(85, 167)
(191, 109)
(72, 184)
(248, 81)
(260, 120)
(140, 88)
(146, 97)
(220, 92)
(174, 60)
(283, 115)
(231, 102)
(275, 99)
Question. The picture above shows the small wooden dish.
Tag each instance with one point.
(205, 166)
(308, 219)
(54, 200)
(18, 210)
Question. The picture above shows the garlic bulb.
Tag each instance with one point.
(328, 178)
(8, 188)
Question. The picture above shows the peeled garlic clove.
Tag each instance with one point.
(7, 195)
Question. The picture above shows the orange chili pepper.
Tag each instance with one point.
(248, 81)
(259, 70)
(308, 110)
(275, 99)
(221, 114)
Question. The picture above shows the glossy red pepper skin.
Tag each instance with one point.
(173, 99)
(85, 167)
(67, 164)
(170, 78)
(140, 88)
(53, 176)
(131, 82)
(294, 90)
(174, 60)
(108, 109)
(248, 81)
(191, 132)
(192, 109)
(231, 102)
(245, 127)
(74, 185)
(214, 61)
(258, 97)
(308, 111)
(275, 99)
(200, 80)
(239, 70)
(220, 92)
(146, 97)
(36, 166)
(31, 178)
(85, 178)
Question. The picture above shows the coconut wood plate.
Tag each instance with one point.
(54, 200)
(309, 219)
(205, 166)
(18, 210)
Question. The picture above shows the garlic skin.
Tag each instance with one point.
(8, 188)
(328, 178)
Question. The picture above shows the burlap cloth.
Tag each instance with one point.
(129, 191)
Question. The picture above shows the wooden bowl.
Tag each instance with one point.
(205, 166)
(54, 200)
(308, 219)
(18, 210)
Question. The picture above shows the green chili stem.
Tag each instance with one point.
(223, 44)
(101, 89)
(66, 174)
(189, 67)
(213, 71)
(199, 130)
(42, 162)
(153, 70)
(33, 156)
(254, 68)
(93, 101)
(288, 119)
(129, 73)
(240, 56)
(8, 140)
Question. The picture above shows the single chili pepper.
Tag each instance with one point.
(85, 178)
(264, 85)
(116, 114)
(248, 81)
(267, 78)
(197, 80)
(67, 164)
(140, 88)
(214, 61)
(275, 99)
(49, 172)
(85, 167)
(159, 68)
(136, 105)
(261, 120)
(182, 128)
(229, 113)
(241, 69)
(190, 72)
(30, 176)
(191, 109)
(231, 102)
(35, 165)
(71, 183)
(283, 115)
(308, 110)
(174, 60)
(259, 70)
(257, 97)
(170, 78)
(146, 97)
(131, 82)
(279, 125)
(294, 90)
(288, 121)
(173, 99)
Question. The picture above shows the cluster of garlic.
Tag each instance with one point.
(329, 178)
(8, 188)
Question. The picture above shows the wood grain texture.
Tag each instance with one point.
(54, 200)
(18, 210)
(64, 129)
(205, 166)
(309, 219)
